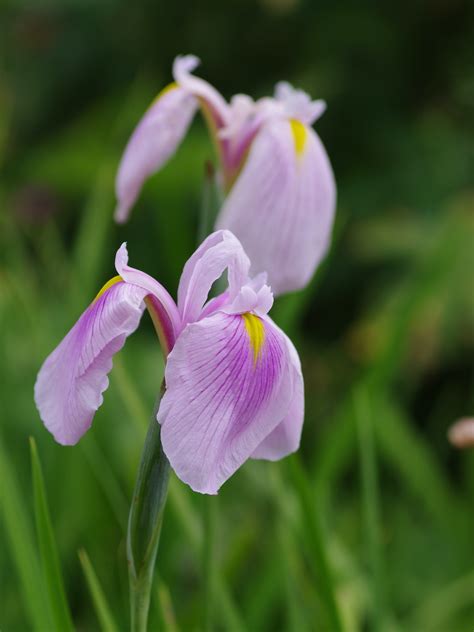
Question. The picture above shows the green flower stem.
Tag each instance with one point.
(144, 524)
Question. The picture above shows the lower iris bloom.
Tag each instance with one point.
(234, 388)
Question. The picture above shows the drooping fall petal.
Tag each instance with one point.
(282, 205)
(153, 142)
(69, 387)
(230, 381)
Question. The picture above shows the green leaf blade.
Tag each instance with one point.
(21, 545)
(102, 608)
(49, 556)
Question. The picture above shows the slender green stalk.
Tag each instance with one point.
(144, 525)
(209, 564)
(317, 542)
(370, 502)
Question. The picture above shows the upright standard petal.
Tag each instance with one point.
(153, 142)
(230, 381)
(69, 387)
(282, 204)
(182, 68)
(219, 252)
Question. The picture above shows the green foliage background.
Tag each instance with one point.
(385, 331)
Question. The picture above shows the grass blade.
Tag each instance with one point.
(22, 546)
(316, 539)
(370, 502)
(102, 609)
(404, 449)
(165, 607)
(49, 555)
(436, 612)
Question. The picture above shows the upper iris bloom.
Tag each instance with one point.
(234, 388)
(279, 185)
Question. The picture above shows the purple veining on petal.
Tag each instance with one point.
(71, 381)
(220, 404)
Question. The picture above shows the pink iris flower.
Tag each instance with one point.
(234, 388)
(279, 185)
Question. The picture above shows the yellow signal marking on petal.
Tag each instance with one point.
(166, 89)
(256, 333)
(109, 284)
(300, 134)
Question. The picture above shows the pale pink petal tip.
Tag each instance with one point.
(461, 434)
(122, 211)
(121, 258)
(184, 64)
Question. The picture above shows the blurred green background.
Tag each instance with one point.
(385, 331)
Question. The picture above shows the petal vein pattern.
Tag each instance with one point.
(219, 404)
(282, 205)
(69, 387)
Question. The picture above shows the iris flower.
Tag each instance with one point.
(234, 388)
(279, 185)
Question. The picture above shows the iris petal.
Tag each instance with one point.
(69, 387)
(219, 252)
(282, 205)
(286, 437)
(222, 400)
(153, 142)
